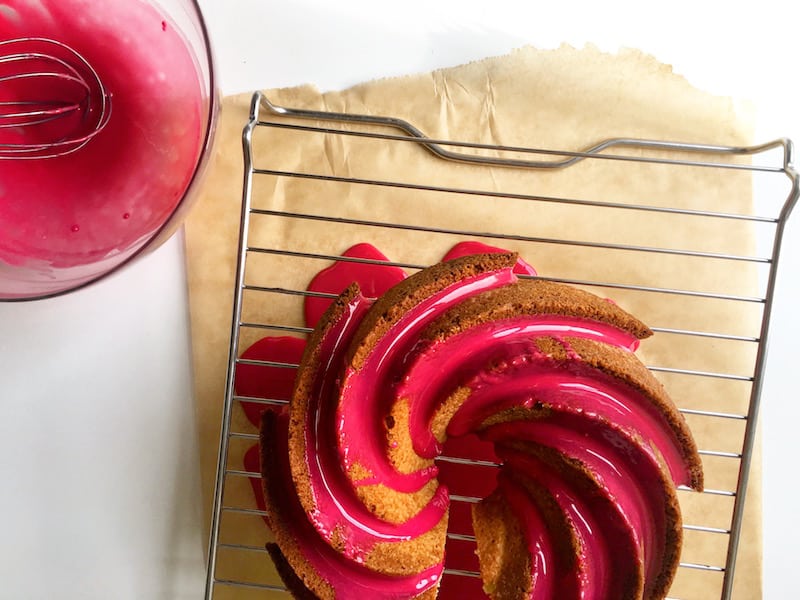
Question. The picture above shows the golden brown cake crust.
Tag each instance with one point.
(504, 558)
(301, 396)
(297, 588)
(533, 297)
(293, 583)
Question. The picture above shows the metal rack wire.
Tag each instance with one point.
(238, 565)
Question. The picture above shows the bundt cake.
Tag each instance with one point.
(589, 447)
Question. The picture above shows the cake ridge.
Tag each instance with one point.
(329, 501)
(324, 573)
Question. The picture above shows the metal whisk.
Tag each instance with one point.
(52, 102)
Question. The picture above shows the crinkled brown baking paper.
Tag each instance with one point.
(566, 99)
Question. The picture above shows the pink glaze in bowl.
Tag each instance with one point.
(68, 221)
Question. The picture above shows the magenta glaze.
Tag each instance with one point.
(595, 567)
(472, 247)
(337, 509)
(349, 580)
(502, 365)
(523, 376)
(576, 388)
(628, 476)
(98, 205)
(509, 346)
(265, 381)
(544, 570)
(365, 395)
(373, 279)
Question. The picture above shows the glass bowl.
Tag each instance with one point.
(69, 220)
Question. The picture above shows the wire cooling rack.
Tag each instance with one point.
(718, 395)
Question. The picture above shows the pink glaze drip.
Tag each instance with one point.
(373, 279)
(472, 247)
(365, 394)
(583, 401)
(337, 509)
(349, 580)
(267, 381)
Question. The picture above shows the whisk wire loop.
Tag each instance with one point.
(70, 88)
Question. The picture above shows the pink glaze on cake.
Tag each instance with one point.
(350, 579)
(363, 400)
(597, 423)
(337, 508)
(522, 376)
(275, 383)
(436, 368)
(548, 574)
(629, 479)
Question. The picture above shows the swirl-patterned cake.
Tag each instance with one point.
(589, 446)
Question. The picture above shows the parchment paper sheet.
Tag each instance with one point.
(564, 98)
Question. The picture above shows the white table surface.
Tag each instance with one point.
(98, 458)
